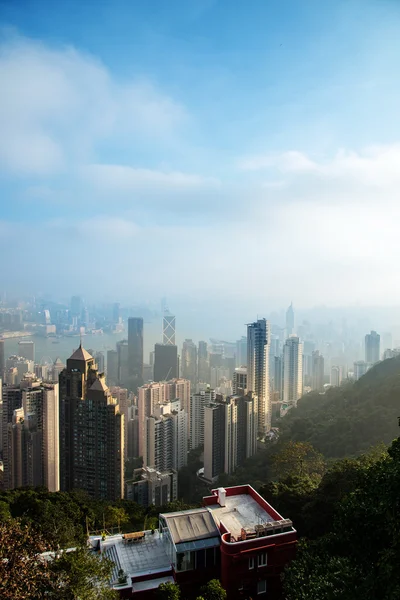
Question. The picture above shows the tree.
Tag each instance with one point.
(81, 574)
(297, 459)
(23, 572)
(213, 591)
(359, 557)
(168, 591)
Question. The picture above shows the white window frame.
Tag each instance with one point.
(251, 562)
(260, 561)
(263, 582)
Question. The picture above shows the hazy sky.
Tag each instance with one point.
(231, 151)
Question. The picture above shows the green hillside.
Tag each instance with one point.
(348, 420)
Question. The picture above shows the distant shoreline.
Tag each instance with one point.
(7, 335)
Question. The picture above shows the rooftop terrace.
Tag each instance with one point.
(240, 511)
(143, 557)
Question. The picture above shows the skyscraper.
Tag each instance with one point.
(2, 359)
(135, 350)
(168, 328)
(258, 339)
(31, 435)
(292, 371)
(318, 375)
(196, 416)
(165, 437)
(230, 434)
(112, 367)
(189, 361)
(203, 366)
(165, 362)
(336, 375)
(239, 384)
(241, 352)
(123, 362)
(116, 313)
(372, 347)
(290, 320)
(91, 431)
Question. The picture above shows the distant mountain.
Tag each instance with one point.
(350, 419)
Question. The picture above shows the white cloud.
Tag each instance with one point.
(121, 178)
(57, 104)
(373, 165)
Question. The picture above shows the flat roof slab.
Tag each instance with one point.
(240, 511)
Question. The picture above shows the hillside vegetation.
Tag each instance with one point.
(346, 421)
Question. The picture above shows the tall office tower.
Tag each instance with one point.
(122, 397)
(165, 362)
(196, 416)
(148, 396)
(26, 349)
(214, 442)
(258, 340)
(336, 376)
(230, 434)
(189, 361)
(240, 381)
(372, 347)
(135, 351)
(2, 359)
(203, 364)
(241, 352)
(123, 362)
(112, 367)
(31, 435)
(55, 369)
(168, 329)
(277, 382)
(165, 437)
(292, 371)
(1, 417)
(360, 368)
(12, 400)
(76, 306)
(387, 341)
(116, 313)
(99, 360)
(290, 320)
(91, 431)
(22, 365)
(318, 373)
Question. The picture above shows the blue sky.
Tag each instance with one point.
(181, 143)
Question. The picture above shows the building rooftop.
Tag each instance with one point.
(81, 354)
(191, 525)
(139, 558)
(240, 512)
(99, 385)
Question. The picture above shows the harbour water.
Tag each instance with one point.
(63, 347)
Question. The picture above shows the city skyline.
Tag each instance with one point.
(281, 114)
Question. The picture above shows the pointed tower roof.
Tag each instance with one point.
(58, 361)
(99, 385)
(81, 354)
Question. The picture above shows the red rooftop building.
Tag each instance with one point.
(237, 537)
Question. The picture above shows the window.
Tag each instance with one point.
(262, 559)
(262, 586)
(251, 563)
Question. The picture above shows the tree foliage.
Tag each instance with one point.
(27, 573)
(168, 591)
(213, 590)
(23, 573)
(358, 555)
(348, 420)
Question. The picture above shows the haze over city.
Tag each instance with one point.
(230, 158)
